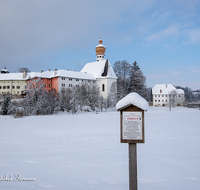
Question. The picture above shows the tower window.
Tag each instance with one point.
(103, 87)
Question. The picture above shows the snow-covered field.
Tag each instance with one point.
(83, 151)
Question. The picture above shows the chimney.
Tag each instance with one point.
(68, 69)
(41, 71)
(55, 72)
(49, 70)
(166, 85)
(24, 74)
(75, 70)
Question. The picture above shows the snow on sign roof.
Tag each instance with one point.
(135, 99)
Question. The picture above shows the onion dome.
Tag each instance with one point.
(100, 50)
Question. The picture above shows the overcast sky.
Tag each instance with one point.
(163, 36)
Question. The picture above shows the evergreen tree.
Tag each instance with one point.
(6, 104)
(137, 80)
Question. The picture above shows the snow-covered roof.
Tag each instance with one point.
(4, 70)
(162, 88)
(32, 75)
(135, 99)
(61, 73)
(100, 68)
(12, 76)
(100, 45)
(165, 89)
(75, 74)
(180, 91)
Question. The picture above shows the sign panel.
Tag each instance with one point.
(132, 126)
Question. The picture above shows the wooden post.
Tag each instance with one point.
(133, 166)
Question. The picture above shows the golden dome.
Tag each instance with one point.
(100, 49)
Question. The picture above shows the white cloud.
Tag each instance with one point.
(172, 30)
(157, 76)
(194, 36)
(176, 72)
(195, 71)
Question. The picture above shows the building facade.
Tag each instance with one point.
(162, 95)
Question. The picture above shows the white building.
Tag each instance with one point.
(161, 95)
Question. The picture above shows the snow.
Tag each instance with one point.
(47, 74)
(180, 91)
(83, 151)
(135, 99)
(97, 68)
(61, 73)
(75, 74)
(100, 45)
(11, 76)
(166, 89)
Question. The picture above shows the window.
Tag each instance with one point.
(4, 87)
(77, 79)
(162, 100)
(158, 100)
(162, 95)
(63, 84)
(18, 87)
(0, 87)
(82, 80)
(155, 95)
(165, 95)
(45, 85)
(165, 100)
(77, 85)
(155, 100)
(63, 78)
(158, 95)
(70, 79)
(8, 87)
(70, 85)
(103, 87)
(49, 85)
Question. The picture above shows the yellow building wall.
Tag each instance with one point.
(14, 87)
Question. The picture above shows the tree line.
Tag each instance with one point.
(38, 101)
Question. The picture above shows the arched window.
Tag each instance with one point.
(103, 87)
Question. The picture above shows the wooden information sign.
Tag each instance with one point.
(132, 124)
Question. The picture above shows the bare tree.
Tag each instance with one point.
(172, 99)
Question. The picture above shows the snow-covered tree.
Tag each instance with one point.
(172, 99)
(112, 96)
(38, 100)
(93, 95)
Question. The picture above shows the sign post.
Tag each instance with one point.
(132, 130)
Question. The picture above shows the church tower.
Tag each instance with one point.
(100, 50)
(102, 71)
